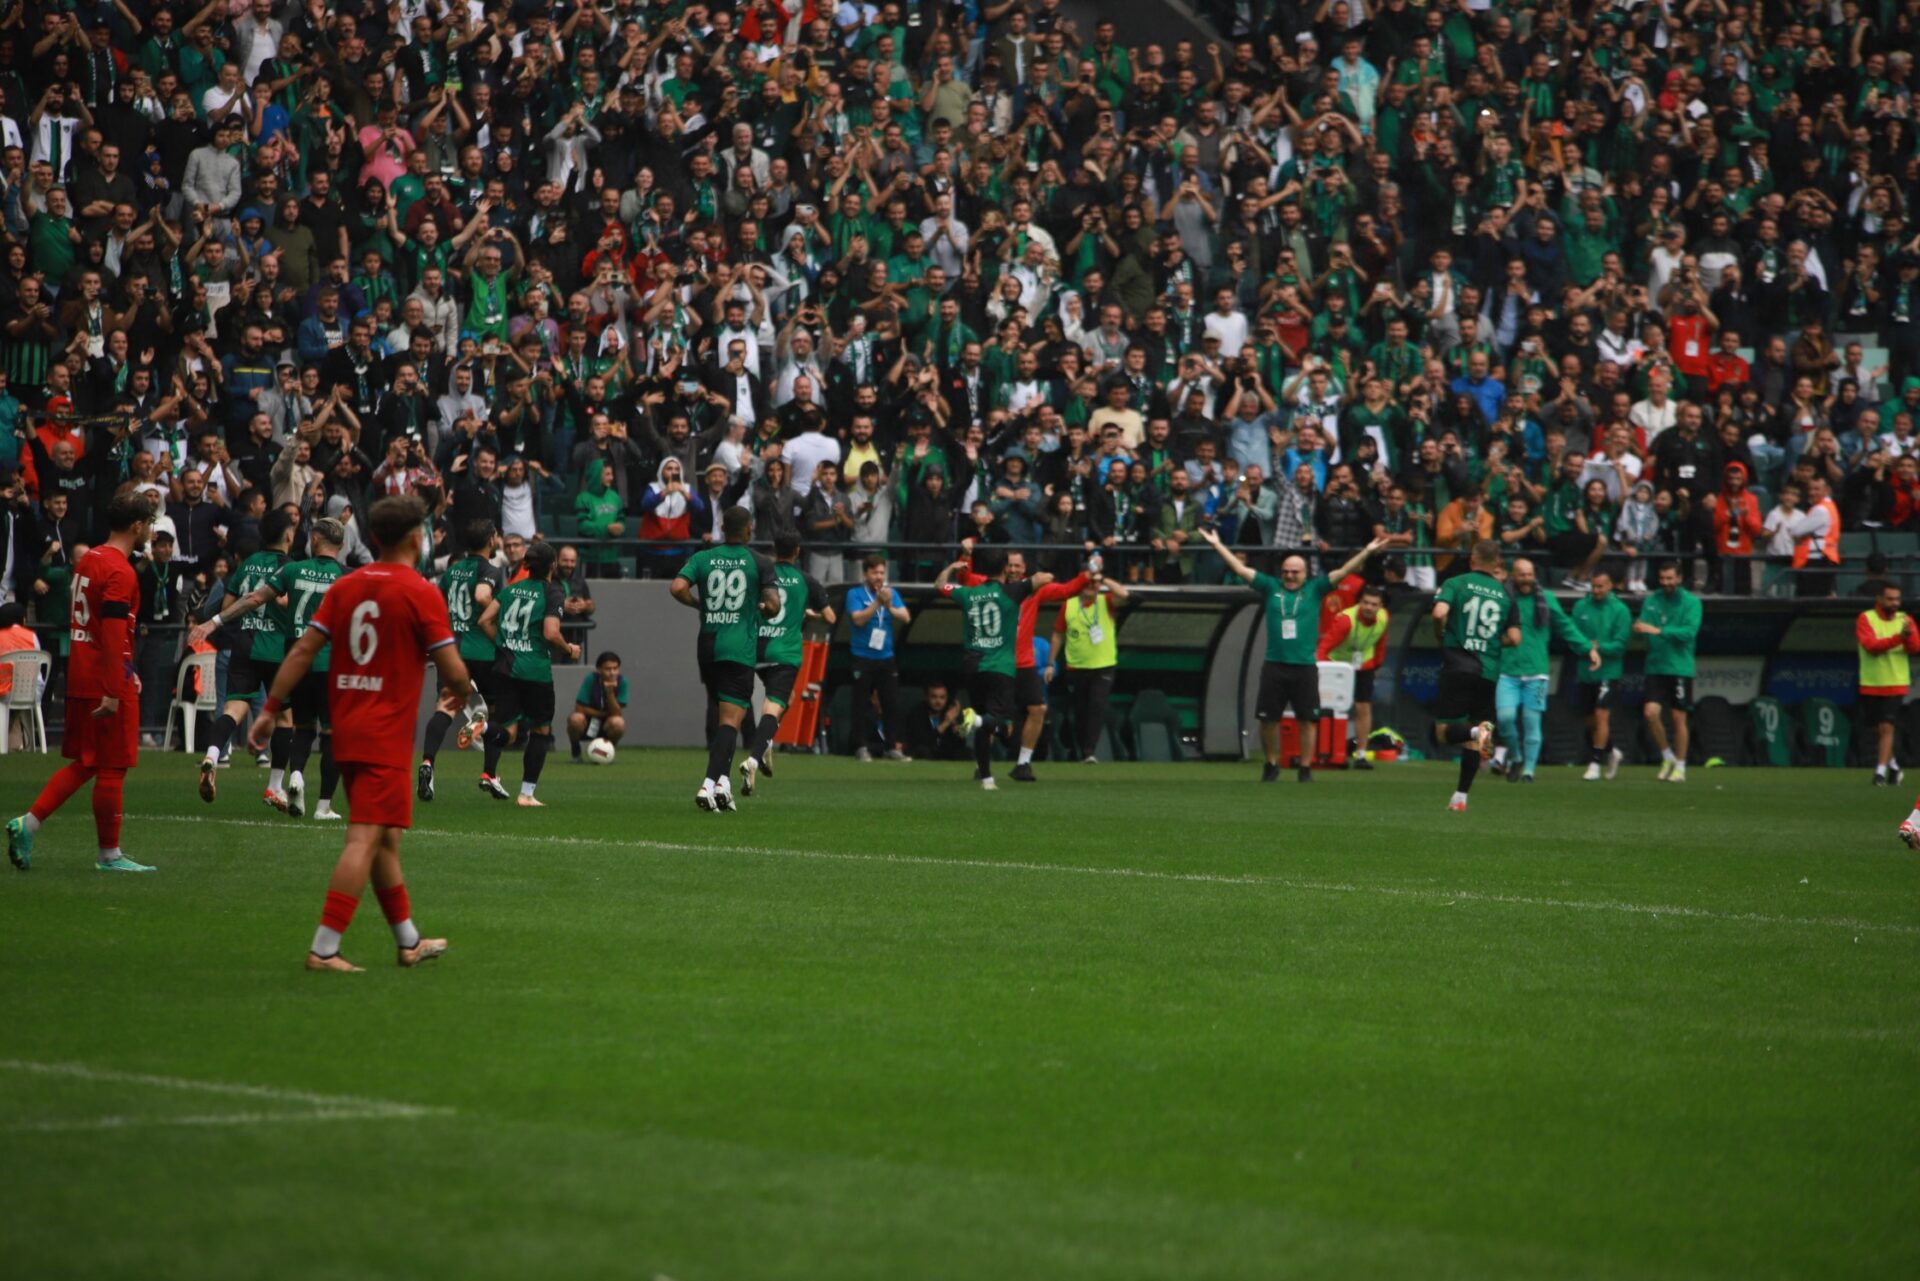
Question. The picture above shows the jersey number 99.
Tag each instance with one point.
(726, 590)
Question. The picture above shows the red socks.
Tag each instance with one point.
(109, 785)
(338, 914)
(393, 902)
(60, 789)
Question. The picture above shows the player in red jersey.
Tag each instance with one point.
(1029, 684)
(102, 740)
(382, 620)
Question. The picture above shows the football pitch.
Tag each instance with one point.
(1134, 1021)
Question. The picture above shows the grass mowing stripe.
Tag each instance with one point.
(1441, 896)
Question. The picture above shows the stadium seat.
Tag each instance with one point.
(1155, 728)
(1828, 731)
(1856, 545)
(1897, 542)
(1769, 732)
(1719, 730)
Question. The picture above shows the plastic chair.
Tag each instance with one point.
(30, 667)
(1155, 728)
(206, 698)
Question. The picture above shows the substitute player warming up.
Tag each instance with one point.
(102, 740)
(382, 620)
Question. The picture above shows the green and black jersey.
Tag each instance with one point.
(1479, 611)
(459, 585)
(265, 629)
(992, 614)
(728, 579)
(304, 583)
(525, 607)
(781, 635)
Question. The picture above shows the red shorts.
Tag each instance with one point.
(110, 742)
(378, 793)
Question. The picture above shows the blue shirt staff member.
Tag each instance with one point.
(874, 614)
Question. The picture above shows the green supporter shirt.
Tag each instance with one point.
(729, 578)
(1678, 618)
(1537, 628)
(780, 635)
(593, 692)
(265, 628)
(1293, 618)
(460, 585)
(1610, 624)
(1478, 612)
(304, 583)
(525, 607)
(992, 615)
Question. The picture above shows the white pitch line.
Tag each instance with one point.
(214, 1119)
(322, 1103)
(1417, 893)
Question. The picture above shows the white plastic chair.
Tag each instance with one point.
(188, 709)
(30, 667)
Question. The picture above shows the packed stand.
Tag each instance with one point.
(1606, 283)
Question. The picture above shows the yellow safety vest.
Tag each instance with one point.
(1357, 648)
(1888, 670)
(1084, 651)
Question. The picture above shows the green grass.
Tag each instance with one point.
(1136, 1021)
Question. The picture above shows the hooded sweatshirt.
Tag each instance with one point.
(1736, 516)
(1639, 523)
(599, 507)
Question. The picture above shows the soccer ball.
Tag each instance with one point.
(600, 752)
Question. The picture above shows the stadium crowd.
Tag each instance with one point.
(1604, 282)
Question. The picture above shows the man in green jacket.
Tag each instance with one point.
(1177, 529)
(1670, 620)
(1605, 619)
(1520, 697)
(602, 515)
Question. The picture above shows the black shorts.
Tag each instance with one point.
(779, 679)
(528, 701)
(309, 701)
(1880, 709)
(992, 695)
(728, 683)
(1029, 687)
(1464, 696)
(1594, 696)
(480, 675)
(249, 676)
(1284, 685)
(1675, 692)
(1363, 684)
